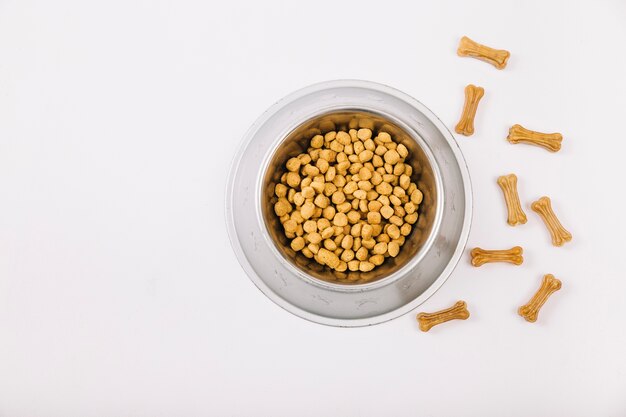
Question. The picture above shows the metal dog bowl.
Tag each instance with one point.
(299, 284)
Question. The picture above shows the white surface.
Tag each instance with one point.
(120, 296)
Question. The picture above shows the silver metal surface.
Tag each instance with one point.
(430, 252)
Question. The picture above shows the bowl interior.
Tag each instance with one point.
(297, 141)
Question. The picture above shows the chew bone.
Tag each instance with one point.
(530, 310)
(483, 256)
(457, 312)
(549, 141)
(508, 184)
(496, 57)
(559, 234)
(473, 95)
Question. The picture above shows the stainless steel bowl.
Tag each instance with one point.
(303, 287)
(298, 141)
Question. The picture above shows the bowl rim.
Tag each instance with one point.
(362, 321)
(393, 276)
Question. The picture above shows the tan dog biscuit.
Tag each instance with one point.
(559, 234)
(473, 95)
(495, 57)
(515, 214)
(549, 141)
(457, 312)
(483, 256)
(530, 310)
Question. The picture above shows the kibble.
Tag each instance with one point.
(386, 211)
(377, 259)
(393, 231)
(348, 202)
(366, 266)
(393, 248)
(328, 232)
(297, 244)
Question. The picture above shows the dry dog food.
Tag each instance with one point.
(483, 256)
(549, 285)
(349, 201)
(549, 141)
(496, 57)
(543, 207)
(457, 312)
(508, 184)
(473, 95)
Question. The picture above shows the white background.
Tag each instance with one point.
(120, 294)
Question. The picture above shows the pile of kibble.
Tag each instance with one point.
(348, 202)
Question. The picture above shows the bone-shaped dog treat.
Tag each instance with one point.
(508, 184)
(496, 57)
(483, 256)
(549, 141)
(473, 95)
(530, 310)
(457, 312)
(559, 234)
